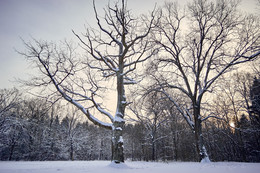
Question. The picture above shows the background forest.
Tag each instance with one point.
(33, 129)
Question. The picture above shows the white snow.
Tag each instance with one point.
(124, 102)
(119, 129)
(130, 82)
(128, 167)
(205, 160)
(120, 140)
(118, 117)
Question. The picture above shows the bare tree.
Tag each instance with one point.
(197, 47)
(68, 127)
(150, 112)
(8, 99)
(114, 50)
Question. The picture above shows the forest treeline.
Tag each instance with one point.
(33, 129)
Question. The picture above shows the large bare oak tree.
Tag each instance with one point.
(113, 50)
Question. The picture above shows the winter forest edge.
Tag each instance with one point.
(182, 94)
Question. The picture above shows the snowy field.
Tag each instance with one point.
(133, 167)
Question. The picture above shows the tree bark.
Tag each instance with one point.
(118, 124)
(199, 141)
(71, 149)
(153, 149)
(117, 143)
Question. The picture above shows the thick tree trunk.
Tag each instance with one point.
(117, 142)
(118, 124)
(199, 141)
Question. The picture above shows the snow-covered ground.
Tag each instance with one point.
(133, 167)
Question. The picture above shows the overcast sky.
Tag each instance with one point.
(52, 20)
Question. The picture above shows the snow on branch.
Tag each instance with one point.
(42, 53)
(89, 115)
(101, 110)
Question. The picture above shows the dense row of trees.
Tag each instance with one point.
(187, 53)
(33, 129)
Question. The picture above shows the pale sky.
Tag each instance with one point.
(53, 20)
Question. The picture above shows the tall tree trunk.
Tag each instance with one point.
(175, 145)
(153, 149)
(71, 149)
(117, 142)
(118, 124)
(199, 141)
